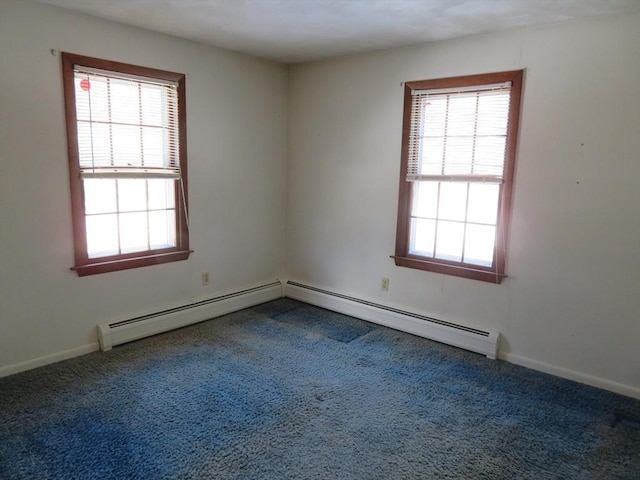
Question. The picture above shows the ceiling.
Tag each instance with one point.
(293, 31)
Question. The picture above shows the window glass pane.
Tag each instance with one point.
(479, 245)
(124, 102)
(425, 199)
(151, 102)
(453, 201)
(483, 203)
(132, 195)
(493, 113)
(459, 155)
(153, 146)
(422, 237)
(102, 235)
(98, 92)
(162, 229)
(161, 193)
(432, 156)
(94, 145)
(462, 115)
(449, 241)
(126, 145)
(91, 98)
(489, 155)
(82, 85)
(435, 114)
(100, 195)
(133, 232)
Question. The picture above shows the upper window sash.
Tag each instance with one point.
(458, 134)
(127, 125)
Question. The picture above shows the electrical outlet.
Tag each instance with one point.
(384, 284)
(205, 278)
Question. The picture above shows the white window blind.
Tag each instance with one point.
(127, 125)
(459, 134)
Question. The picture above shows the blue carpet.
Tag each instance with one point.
(286, 390)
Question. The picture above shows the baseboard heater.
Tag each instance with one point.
(468, 338)
(127, 330)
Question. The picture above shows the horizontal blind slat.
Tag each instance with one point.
(132, 172)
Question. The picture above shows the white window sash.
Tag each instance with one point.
(132, 172)
(489, 179)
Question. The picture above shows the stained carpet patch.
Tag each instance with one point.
(327, 324)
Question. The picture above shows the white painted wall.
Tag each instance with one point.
(236, 115)
(571, 304)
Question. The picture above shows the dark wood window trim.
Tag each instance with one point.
(90, 266)
(403, 257)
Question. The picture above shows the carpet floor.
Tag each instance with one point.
(285, 390)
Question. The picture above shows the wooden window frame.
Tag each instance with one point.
(90, 266)
(496, 272)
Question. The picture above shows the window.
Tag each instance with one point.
(126, 135)
(458, 156)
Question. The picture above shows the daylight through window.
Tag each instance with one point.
(458, 158)
(128, 168)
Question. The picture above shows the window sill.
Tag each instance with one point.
(132, 262)
(449, 269)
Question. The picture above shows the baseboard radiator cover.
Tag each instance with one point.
(475, 340)
(127, 330)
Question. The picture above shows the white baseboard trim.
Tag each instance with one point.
(139, 327)
(579, 377)
(48, 359)
(474, 340)
(130, 329)
(486, 343)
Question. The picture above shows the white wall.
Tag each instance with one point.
(236, 115)
(571, 304)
